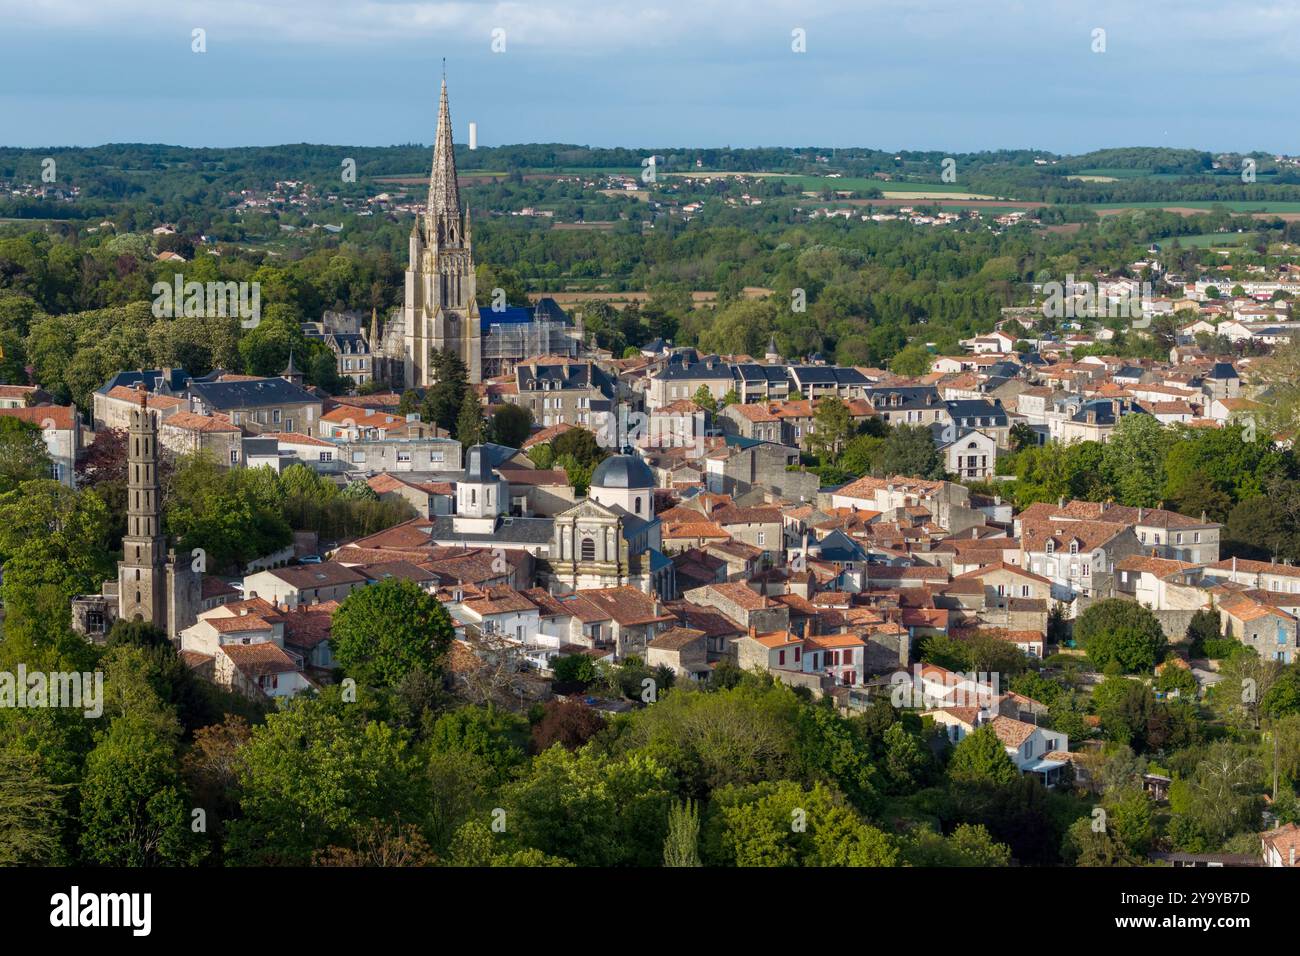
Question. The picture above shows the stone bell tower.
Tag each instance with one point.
(439, 311)
(142, 572)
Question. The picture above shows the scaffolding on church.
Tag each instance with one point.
(508, 343)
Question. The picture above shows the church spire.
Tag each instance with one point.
(444, 197)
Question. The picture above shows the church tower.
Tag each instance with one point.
(142, 573)
(439, 311)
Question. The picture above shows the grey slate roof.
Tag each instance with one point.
(508, 531)
(255, 394)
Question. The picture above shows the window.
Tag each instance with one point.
(588, 549)
(637, 504)
(762, 537)
(275, 416)
(234, 456)
(1074, 547)
(404, 456)
(437, 457)
(1051, 546)
(1024, 590)
(327, 456)
(780, 658)
(797, 655)
(358, 457)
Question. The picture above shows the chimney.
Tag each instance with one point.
(1234, 564)
(753, 631)
(1060, 502)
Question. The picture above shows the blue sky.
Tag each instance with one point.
(953, 75)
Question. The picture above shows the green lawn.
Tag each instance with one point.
(1209, 240)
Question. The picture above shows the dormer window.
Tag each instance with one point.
(1074, 547)
(1051, 546)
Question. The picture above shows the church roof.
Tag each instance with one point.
(622, 471)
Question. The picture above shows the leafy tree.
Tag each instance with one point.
(832, 428)
(1265, 528)
(211, 769)
(358, 491)
(511, 425)
(542, 455)
(469, 423)
(784, 824)
(53, 546)
(911, 362)
(682, 844)
(382, 632)
(967, 845)
(980, 758)
(737, 735)
(1204, 626)
(1217, 466)
(579, 443)
(1218, 797)
(1134, 459)
(1068, 714)
(1121, 631)
(1085, 845)
(1124, 706)
(1177, 679)
(909, 450)
(704, 399)
(308, 778)
(569, 723)
(23, 455)
(860, 454)
(378, 844)
(31, 813)
(443, 401)
(133, 808)
(1130, 817)
(475, 844)
(905, 761)
(592, 809)
(574, 668)
(1022, 437)
(234, 515)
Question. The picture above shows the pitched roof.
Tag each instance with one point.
(626, 605)
(257, 660)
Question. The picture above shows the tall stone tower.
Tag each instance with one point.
(439, 311)
(142, 573)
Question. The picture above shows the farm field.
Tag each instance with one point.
(1196, 205)
(896, 189)
(1211, 239)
